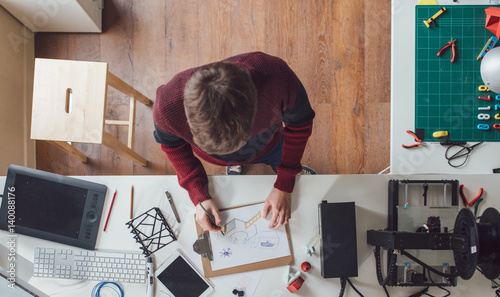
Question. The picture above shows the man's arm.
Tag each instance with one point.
(193, 178)
(298, 128)
(298, 120)
(190, 171)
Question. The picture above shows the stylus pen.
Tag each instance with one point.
(210, 217)
(150, 290)
(172, 205)
(109, 212)
(132, 202)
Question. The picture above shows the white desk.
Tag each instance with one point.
(430, 159)
(369, 192)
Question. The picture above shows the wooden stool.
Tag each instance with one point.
(69, 102)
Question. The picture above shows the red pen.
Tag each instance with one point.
(109, 212)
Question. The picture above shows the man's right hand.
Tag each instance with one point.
(202, 218)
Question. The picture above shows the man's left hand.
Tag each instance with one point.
(279, 203)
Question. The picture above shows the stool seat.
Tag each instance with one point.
(69, 105)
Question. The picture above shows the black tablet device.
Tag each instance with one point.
(181, 279)
(52, 207)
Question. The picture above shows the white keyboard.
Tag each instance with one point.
(127, 267)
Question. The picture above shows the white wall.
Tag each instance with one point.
(57, 15)
(17, 56)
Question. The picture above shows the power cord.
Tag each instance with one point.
(342, 286)
(386, 292)
(441, 287)
(354, 288)
(420, 293)
(343, 281)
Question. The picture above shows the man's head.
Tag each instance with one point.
(220, 100)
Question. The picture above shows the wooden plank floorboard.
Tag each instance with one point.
(116, 49)
(339, 49)
(377, 46)
(148, 56)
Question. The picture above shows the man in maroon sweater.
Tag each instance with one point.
(232, 113)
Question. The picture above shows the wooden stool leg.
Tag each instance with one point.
(120, 85)
(69, 149)
(131, 123)
(114, 144)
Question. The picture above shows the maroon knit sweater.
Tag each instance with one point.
(281, 99)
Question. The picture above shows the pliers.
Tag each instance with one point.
(464, 199)
(418, 140)
(475, 202)
(452, 44)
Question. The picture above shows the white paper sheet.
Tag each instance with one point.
(248, 239)
(246, 281)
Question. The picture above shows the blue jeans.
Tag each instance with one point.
(272, 158)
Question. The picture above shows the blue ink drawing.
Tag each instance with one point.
(226, 253)
(267, 244)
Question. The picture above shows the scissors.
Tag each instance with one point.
(459, 158)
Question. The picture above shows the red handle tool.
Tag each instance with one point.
(418, 140)
(452, 44)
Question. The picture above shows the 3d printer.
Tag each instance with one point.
(429, 241)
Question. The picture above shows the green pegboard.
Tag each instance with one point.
(446, 94)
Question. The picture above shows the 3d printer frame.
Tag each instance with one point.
(403, 267)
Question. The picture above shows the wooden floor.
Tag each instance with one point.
(339, 49)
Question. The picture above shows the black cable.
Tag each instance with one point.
(420, 293)
(386, 292)
(429, 267)
(354, 288)
(426, 187)
(342, 286)
(383, 282)
(441, 287)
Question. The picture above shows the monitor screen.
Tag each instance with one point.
(49, 206)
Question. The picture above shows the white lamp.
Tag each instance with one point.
(490, 69)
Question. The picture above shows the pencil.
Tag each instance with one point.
(109, 212)
(212, 220)
(132, 202)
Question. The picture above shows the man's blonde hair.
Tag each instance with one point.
(220, 101)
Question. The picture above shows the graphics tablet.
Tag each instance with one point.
(52, 206)
(181, 279)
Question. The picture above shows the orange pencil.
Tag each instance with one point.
(132, 202)
(109, 212)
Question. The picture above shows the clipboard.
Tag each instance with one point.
(202, 246)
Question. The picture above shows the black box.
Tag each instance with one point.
(338, 250)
